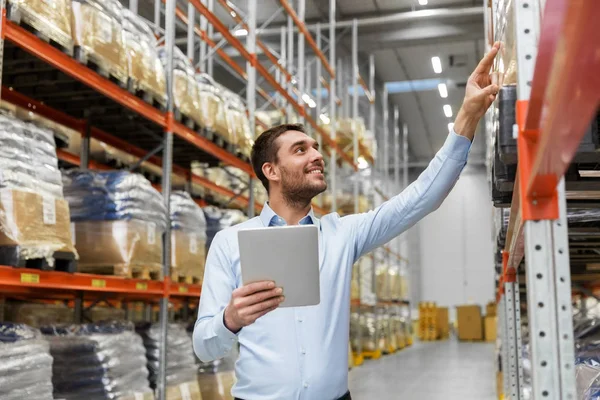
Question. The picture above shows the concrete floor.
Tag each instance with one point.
(446, 370)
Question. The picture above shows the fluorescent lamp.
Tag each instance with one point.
(437, 65)
(305, 98)
(311, 103)
(423, 2)
(450, 126)
(240, 32)
(233, 14)
(362, 163)
(325, 119)
(448, 110)
(443, 90)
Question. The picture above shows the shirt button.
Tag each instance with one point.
(303, 351)
(299, 319)
(305, 384)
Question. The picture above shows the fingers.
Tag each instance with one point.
(491, 90)
(265, 305)
(486, 62)
(252, 288)
(257, 297)
(260, 314)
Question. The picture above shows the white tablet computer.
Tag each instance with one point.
(287, 255)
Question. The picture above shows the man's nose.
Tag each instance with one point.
(316, 155)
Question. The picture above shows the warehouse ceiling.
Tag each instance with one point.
(403, 52)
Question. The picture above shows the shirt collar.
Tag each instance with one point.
(267, 214)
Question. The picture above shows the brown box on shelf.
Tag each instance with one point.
(470, 324)
(490, 323)
(216, 386)
(124, 245)
(36, 315)
(188, 251)
(50, 17)
(490, 309)
(138, 396)
(443, 324)
(98, 29)
(184, 391)
(39, 225)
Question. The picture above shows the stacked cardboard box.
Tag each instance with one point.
(470, 324)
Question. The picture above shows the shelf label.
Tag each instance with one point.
(30, 278)
(183, 289)
(185, 392)
(139, 396)
(98, 283)
(49, 210)
(193, 244)
(151, 233)
(141, 286)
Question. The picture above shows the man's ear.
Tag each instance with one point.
(271, 171)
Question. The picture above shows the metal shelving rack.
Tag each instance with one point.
(557, 73)
(177, 142)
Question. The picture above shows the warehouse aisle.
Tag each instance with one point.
(446, 370)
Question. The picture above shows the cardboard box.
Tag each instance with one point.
(123, 244)
(500, 385)
(470, 324)
(39, 225)
(188, 253)
(443, 323)
(51, 17)
(216, 386)
(490, 323)
(138, 396)
(490, 309)
(184, 391)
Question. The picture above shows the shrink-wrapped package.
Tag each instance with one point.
(188, 236)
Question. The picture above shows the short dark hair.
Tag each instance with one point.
(264, 149)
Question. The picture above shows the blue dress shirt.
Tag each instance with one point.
(302, 352)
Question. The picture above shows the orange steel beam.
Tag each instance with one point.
(368, 93)
(302, 27)
(233, 41)
(75, 160)
(68, 65)
(327, 87)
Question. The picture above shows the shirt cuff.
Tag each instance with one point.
(457, 147)
(221, 330)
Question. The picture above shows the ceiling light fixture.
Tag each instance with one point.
(240, 32)
(362, 163)
(448, 110)
(443, 90)
(437, 65)
(450, 126)
(325, 119)
(423, 2)
(311, 103)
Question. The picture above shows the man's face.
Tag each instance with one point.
(301, 166)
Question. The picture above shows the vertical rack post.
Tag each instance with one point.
(133, 6)
(386, 125)
(397, 161)
(372, 116)
(84, 163)
(203, 44)
(157, 6)
(210, 32)
(319, 97)
(333, 159)
(301, 88)
(166, 190)
(355, 107)
(251, 88)
(404, 239)
(290, 62)
(283, 60)
(191, 16)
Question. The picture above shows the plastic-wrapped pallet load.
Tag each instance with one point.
(185, 88)
(212, 108)
(181, 362)
(37, 315)
(345, 128)
(188, 237)
(119, 220)
(370, 332)
(144, 65)
(98, 31)
(241, 134)
(382, 284)
(504, 27)
(49, 17)
(34, 217)
(102, 361)
(218, 219)
(25, 363)
(216, 378)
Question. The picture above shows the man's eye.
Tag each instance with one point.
(299, 150)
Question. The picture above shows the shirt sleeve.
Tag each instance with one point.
(377, 227)
(211, 339)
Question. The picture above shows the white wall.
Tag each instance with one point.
(456, 247)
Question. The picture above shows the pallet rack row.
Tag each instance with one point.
(555, 42)
(161, 132)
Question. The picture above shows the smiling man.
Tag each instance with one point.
(301, 353)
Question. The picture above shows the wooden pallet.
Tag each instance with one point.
(153, 273)
(179, 277)
(372, 355)
(63, 261)
(92, 61)
(139, 90)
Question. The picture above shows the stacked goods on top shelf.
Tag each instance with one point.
(233, 179)
(344, 138)
(37, 315)
(213, 113)
(145, 69)
(51, 18)
(185, 89)
(34, 217)
(25, 363)
(181, 363)
(98, 34)
(242, 135)
(98, 362)
(188, 238)
(119, 220)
